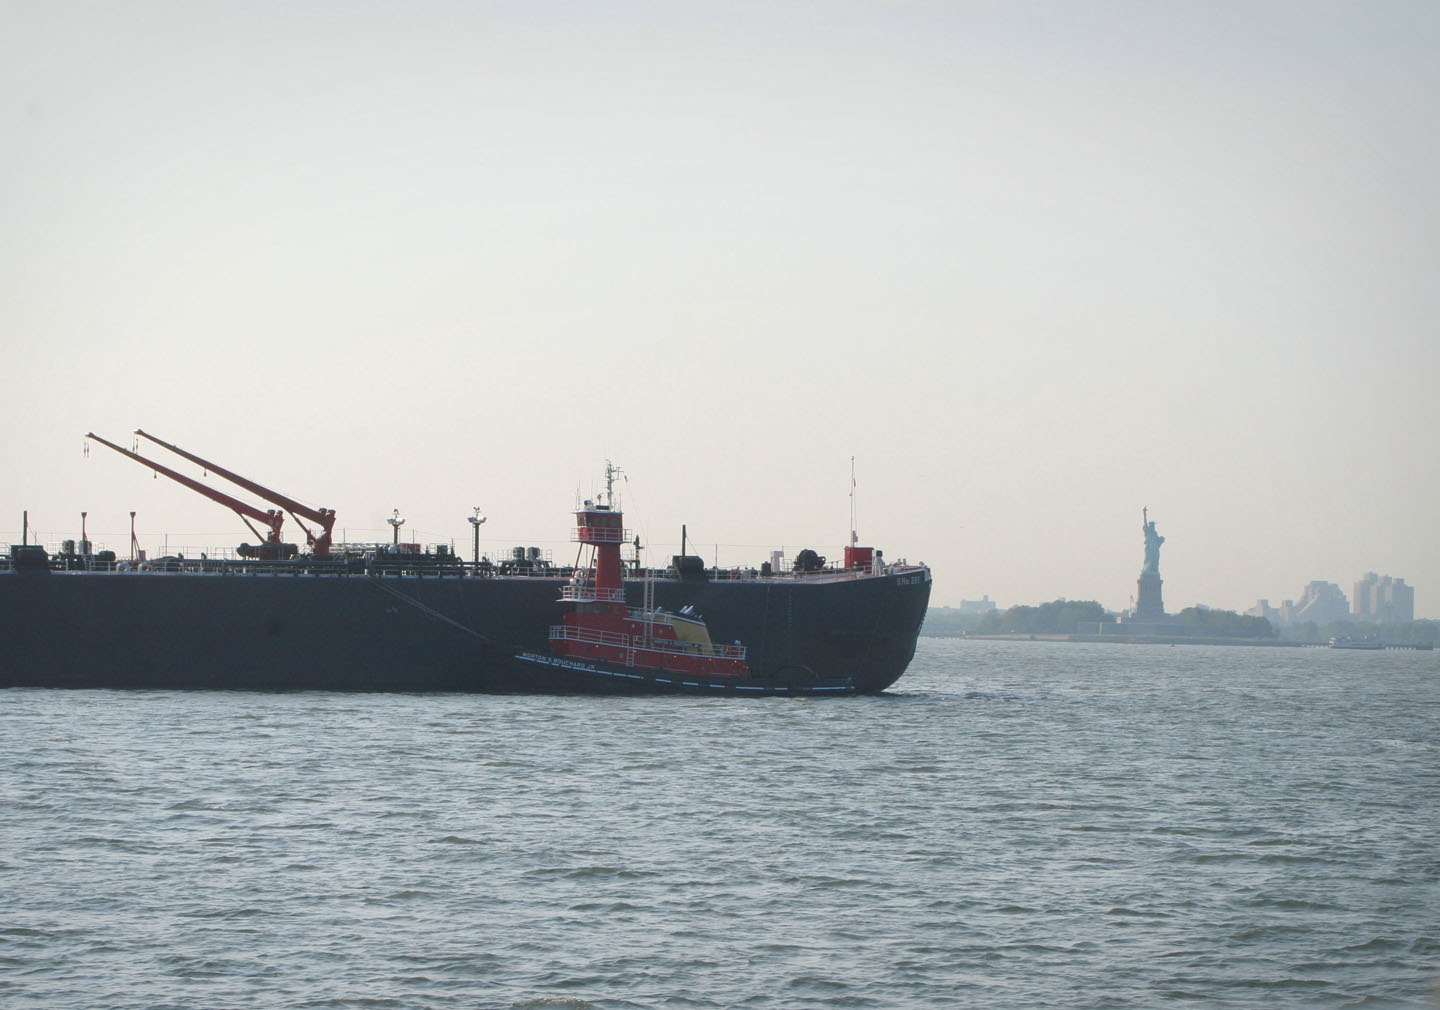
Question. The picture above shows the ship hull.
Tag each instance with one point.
(560, 674)
(302, 631)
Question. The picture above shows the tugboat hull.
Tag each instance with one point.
(568, 675)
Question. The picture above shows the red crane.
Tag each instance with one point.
(272, 518)
(320, 545)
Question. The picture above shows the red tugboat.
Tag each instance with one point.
(604, 641)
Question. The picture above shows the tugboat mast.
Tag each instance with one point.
(611, 472)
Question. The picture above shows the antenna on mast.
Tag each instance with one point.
(611, 472)
(854, 536)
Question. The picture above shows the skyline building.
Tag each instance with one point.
(981, 606)
(1275, 615)
(1319, 601)
(1382, 599)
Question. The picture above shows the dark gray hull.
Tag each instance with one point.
(357, 632)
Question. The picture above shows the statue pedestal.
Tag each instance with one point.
(1149, 606)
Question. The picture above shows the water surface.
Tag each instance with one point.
(1014, 825)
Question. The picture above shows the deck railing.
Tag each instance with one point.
(599, 535)
(588, 594)
(595, 636)
(387, 564)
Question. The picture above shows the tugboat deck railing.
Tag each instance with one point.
(591, 594)
(594, 636)
(599, 535)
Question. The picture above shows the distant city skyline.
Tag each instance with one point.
(1389, 600)
(1379, 599)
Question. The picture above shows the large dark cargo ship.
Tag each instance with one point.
(391, 620)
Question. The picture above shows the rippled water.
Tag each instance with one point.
(1016, 825)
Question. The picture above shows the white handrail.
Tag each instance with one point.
(599, 535)
(594, 636)
(588, 593)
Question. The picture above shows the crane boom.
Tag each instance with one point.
(272, 518)
(325, 517)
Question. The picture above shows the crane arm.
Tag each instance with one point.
(325, 517)
(271, 517)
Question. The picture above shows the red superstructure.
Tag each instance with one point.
(600, 627)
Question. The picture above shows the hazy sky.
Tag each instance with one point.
(1034, 265)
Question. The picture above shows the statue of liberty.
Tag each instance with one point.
(1153, 541)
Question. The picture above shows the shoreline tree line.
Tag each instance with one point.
(1064, 617)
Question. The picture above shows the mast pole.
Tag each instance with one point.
(854, 537)
(611, 472)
